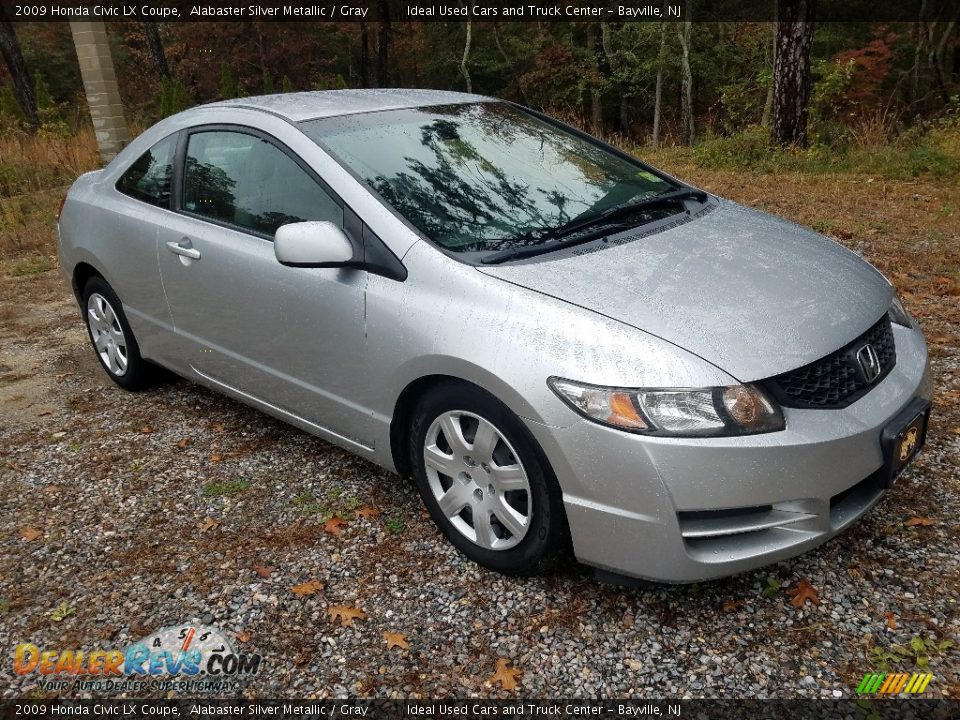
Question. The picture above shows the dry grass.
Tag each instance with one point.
(35, 172)
(28, 229)
(30, 163)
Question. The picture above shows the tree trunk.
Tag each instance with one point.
(768, 103)
(606, 43)
(100, 82)
(658, 92)
(791, 72)
(155, 48)
(596, 100)
(506, 58)
(13, 57)
(364, 56)
(383, 51)
(686, 92)
(466, 51)
(938, 56)
(918, 54)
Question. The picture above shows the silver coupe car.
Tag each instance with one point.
(563, 346)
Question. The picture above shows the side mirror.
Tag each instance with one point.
(312, 244)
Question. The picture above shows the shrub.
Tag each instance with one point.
(749, 148)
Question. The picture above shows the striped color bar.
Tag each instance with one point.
(918, 683)
(894, 683)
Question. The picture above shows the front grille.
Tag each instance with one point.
(837, 380)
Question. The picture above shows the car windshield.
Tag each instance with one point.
(483, 176)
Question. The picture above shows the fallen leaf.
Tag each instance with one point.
(732, 605)
(218, 427)
(61, 376)
(368, 512)
(505, 675)
(30, 534)
(346, 614)
(244, 636)
(333, 525)
(52, 488)
(263, 570)
(216, 457)
(186, 442)
(633, 664)
(311, 587)
(803, 591)
(208, 523)
(955, 430)
(396, 640)
(924, 521)
(146, 429)
(891, 621)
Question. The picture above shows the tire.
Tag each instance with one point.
(491, 490)
(118, 353)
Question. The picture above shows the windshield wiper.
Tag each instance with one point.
(626, 209)
(604, 218)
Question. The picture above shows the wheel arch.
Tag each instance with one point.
(402, 416)
(409, 397)
(82, 272)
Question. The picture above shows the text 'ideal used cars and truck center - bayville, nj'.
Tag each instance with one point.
(280, 11)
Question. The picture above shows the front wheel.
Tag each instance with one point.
(485, 482)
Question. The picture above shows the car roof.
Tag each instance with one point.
(300, 106)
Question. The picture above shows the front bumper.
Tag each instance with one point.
(690, 509)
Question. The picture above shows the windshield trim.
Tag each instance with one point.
(474, 258)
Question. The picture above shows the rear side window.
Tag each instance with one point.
(148, 179)
(248, 182)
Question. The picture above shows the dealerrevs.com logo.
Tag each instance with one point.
(189, 657)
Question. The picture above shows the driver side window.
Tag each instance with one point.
(245, 181)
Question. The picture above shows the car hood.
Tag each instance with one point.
(753, 294)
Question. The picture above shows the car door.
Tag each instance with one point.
(290, 339)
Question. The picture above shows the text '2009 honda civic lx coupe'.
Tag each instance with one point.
(559, 343)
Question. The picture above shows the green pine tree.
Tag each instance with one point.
(9, 107)
(228, 83)
(42, 92)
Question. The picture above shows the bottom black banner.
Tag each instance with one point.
(874, 709)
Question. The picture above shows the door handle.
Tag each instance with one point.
(184, 248)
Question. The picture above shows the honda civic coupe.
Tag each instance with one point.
(562, 346)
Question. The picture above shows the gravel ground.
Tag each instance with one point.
(176, 504)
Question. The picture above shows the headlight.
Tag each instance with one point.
(693, 412)
(898, 313)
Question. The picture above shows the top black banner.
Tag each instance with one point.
(614, 11)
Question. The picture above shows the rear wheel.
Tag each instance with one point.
(113, 341)
(485, 482)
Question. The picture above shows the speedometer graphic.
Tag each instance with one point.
(186, 649)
